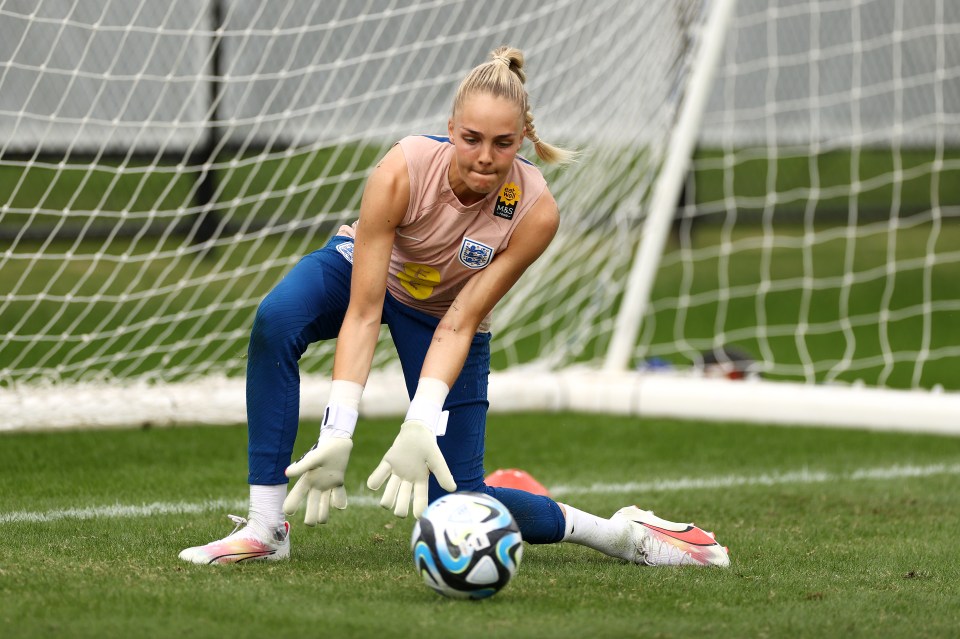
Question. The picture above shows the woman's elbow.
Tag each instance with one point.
(450, 328)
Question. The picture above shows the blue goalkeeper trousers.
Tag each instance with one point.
(309, 305)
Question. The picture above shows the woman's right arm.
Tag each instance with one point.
(384, 204)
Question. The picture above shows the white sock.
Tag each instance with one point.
(610, 537)
(266, 509)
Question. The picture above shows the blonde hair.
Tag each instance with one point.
(502, 76)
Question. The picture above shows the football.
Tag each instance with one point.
(466, 546)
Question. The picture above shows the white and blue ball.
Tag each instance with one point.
(466, 546)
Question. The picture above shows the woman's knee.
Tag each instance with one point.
(278, 325)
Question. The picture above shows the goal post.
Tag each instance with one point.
(667, 188)
(768, 190)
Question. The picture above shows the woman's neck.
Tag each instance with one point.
(464, 194)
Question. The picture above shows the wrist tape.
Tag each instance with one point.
(338, 421)
(432, 415)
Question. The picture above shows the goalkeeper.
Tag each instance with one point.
(447, 226)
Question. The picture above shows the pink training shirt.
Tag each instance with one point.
(440, 243)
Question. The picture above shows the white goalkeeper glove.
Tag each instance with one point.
(408, 464)
(321, 470)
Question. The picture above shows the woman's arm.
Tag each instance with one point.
(451, 340)
(384, 203)
(321, 469)
(415, 453)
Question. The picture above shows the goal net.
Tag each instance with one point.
(817, 237)
(786, 204)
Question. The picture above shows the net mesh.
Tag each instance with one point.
(164, 164)
(819, 230)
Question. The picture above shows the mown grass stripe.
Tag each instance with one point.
(804, 476)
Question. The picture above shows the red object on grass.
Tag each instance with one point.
(514, 478)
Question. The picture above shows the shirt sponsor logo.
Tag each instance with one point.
(507, 202)
(474, 254)
(418, 279)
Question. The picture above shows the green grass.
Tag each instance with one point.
(743, 271)
(826, 178)
(99, 315)
(848, 557)
(268, 188)
(147, 333)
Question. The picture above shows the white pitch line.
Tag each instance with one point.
(122, 511)
(805, 476)
(728, 481)
(697, 483)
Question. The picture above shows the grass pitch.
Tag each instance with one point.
(832, 533)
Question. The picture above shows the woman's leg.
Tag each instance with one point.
(307, 306)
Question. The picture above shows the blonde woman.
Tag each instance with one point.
(447, 226)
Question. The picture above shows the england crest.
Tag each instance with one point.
(346, 250)
(474, 254)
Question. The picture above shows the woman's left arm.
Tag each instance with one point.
(451, 341)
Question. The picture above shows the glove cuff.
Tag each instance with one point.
(427, 405)
(338, 421)
(429, 414)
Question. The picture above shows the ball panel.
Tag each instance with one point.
(484, 572)
(466, 545)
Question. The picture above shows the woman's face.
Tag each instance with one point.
(486, 133)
